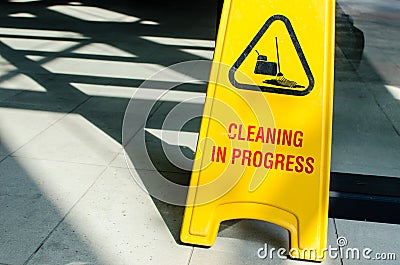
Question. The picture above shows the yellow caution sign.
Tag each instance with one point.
(265, 139)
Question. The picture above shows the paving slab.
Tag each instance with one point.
(343, 75)
(173, 116)
(392, 110)
(364, 153)
(106, 114)
(119, 223)
(355, 89)
(388, 99)
(152, 153)
(238, 244)
(72, 139)
(168, 198)
(385, 72)
(18, 81)
(7, 93)
(64, 100)
(370, 133)
(116, 222)
(12, 83)
(380, 238)
(379, 25)
(34, 197)
(168, 141)
(19, 125)
(366, 124)
(366, 116)
(119, 161)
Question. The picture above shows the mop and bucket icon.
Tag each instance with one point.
(264, 67)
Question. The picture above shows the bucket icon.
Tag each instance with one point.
(263, 67)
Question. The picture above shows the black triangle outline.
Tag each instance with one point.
(251, 46)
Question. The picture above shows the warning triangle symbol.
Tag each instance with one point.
(275, 61)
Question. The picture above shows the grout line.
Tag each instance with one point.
(142, 126)
(7, 99)
(190, 257)
(1, 160)
(75, 204)
(156, 170)
(116, 156)
(383, 111)
(61, 161)
(63, 218)
(52, 124)
(36, 135)
(337, 236)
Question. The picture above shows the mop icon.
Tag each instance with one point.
(263, 67)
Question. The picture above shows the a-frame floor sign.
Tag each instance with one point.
(265, 139)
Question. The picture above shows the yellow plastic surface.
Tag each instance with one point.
(266, 154)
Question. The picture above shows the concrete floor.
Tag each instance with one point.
(66, 76)
(367, 141)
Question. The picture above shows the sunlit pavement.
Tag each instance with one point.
(67, 71)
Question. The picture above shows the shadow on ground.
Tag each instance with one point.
(79, 62)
